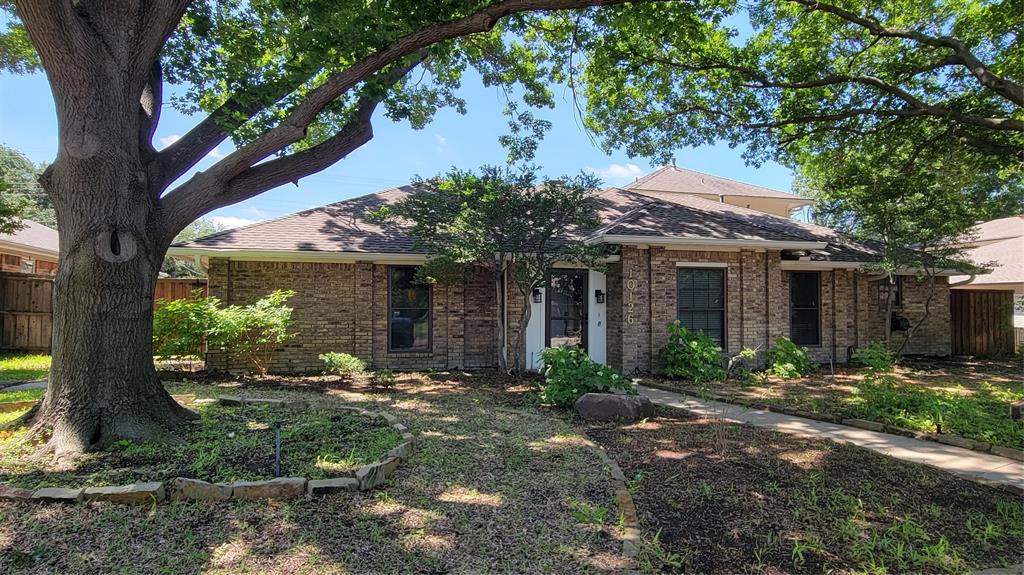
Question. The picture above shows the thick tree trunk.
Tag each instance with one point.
(103, 385)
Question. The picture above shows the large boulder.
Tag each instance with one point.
(614, 407)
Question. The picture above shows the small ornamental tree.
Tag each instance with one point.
(255, 330)
(506, 222)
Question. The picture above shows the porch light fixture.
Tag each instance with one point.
(537, 296)
(598, 296)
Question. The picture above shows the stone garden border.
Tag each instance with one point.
(954, 440)
(185, 488)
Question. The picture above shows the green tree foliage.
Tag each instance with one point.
(21, 196)
(505, 221)
(185, 267)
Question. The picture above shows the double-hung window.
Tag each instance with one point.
(805, 308)
(700, 303)
(408, 311)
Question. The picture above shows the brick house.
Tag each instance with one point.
(32, 250)
(718, 255)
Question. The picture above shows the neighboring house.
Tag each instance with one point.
(999, 244)
(33, 249)
(687, 246)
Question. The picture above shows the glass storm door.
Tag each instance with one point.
(567, 309)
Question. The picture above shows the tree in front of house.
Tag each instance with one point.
(21, 196)
(295, 85)
(185, 267)
(508, 222)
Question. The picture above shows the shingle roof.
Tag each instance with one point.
(338, 227)
(36, 236)
(682, 180)
(1000, 246)
(1001, 229)
(342, 226)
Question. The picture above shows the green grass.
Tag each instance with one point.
(227, 444)
(17, 367)
(22, 395)
(981, 414)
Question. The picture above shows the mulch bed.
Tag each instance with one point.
(729, 499)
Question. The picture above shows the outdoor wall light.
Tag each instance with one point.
(599, 296)
(537, 296)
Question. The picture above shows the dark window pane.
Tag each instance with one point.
(409, 311)
(804, 308)
(701, 301)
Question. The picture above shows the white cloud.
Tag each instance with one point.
(228, 222)
(441, 140)
(168, 140)
(617, 174)
(214, 154)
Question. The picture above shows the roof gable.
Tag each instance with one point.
(684, 181)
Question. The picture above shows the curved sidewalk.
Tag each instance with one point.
(983, 467)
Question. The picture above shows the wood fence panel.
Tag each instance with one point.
(26, 307)
(981, 322)
(26, 312)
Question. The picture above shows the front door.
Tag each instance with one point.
(567, 309)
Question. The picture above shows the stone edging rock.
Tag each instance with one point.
(184, 488)
(954, 440)
(630, 536)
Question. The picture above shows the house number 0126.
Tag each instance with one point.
(631, 284)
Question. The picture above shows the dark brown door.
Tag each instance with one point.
(566, 309)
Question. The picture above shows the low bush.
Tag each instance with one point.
(690, 355)
(181, 327)
(876, 357)
(342, 364)
(788, 360)
(383, 378)
(569, 373)
(253, 331)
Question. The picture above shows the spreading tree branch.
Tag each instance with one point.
(182, 201)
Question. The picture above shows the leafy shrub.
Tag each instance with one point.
(876, 357)
(569, 373)
(342, 364)
(254, 330)
(383, 378)
(690, 355)
(788, 360)
(251, 331)
(741, 365)
(180, 327)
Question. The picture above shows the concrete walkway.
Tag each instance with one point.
(971, 464)
(37, 384)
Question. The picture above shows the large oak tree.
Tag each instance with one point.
(293, 84)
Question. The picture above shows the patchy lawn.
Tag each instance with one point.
(21, 395)
(18, 367)
(496, 485)
(970, 399)
(226, 444)
(724, 498)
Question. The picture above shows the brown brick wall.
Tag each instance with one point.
(757, 306)
(344, 307)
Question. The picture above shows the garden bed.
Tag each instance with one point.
(228, 443)
(936, 399)
(725, 498)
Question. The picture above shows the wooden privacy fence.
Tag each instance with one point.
(26, 307)
(981, 322)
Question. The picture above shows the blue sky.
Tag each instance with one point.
(397, 152)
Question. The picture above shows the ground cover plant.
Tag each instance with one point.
(226, 444)
(342, 364)
(492, 488)
(969, 399)
(18, 367)
(723, 498)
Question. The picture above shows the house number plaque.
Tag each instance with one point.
(631, 284)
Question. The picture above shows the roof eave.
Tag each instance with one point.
(296, 255)
(718, 242)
